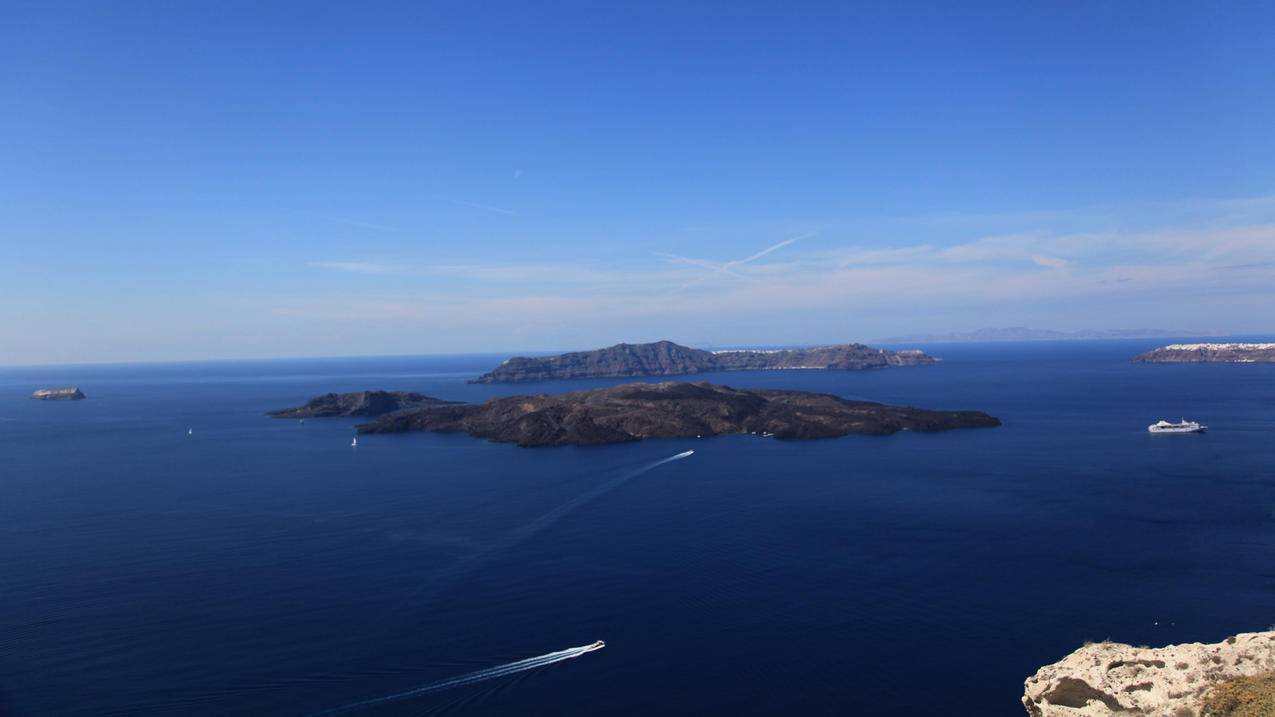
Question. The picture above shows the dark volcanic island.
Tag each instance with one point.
(665, 358)
(669, 410)
(359, 403)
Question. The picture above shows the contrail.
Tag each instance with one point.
(767, 250)
(490, 673)
(475, 205)
(728, 268)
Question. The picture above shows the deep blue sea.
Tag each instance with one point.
(261, 566)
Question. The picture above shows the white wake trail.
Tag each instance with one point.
(490, 673)
(552, 517)
(521, 535)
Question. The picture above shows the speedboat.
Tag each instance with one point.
(1183, 426)
(598, 645)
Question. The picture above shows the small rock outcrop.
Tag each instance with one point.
(670, 410)
(665, 358)
(69, 393)
(359, 403)
(1210, 353)
(1110, 678)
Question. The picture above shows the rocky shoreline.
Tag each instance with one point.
(665, 358)
(669, 410)
(1188, 680)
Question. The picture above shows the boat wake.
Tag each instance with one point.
(521, 535)
(552, 517)
(490, 673)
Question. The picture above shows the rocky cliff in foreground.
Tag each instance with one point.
(359, 403)
(665, 358)
(1210, 353)
(1190, 680)
(670, 410)
(70, 393)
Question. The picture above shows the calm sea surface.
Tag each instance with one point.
(264, 566)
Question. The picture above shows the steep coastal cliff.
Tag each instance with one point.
(1210, 353)
(1232, 677)
(670, 410)
(69, 393)
(665, 358)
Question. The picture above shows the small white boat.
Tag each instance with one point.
(1183, 426)
(190, 431)
(354, 443)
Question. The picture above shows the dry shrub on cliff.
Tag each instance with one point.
(1250, 696)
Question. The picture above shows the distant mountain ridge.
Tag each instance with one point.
(665, 358)
(1022, 333)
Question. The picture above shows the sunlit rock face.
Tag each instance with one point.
(1111, 678)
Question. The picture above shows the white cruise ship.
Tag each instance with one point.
(1183, 426)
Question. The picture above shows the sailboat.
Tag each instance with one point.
(354, 442)
(190, 431)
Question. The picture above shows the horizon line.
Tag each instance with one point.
(551, 352)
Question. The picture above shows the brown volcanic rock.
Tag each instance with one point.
(670, 410)
(359, 403)
(665, 358)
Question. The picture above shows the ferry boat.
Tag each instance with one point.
(1183, 426)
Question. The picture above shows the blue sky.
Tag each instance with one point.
(237, 179)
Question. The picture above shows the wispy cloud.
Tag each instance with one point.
(982, 275)
(352, 222)
(475, 205)
(355, 267)
(1051, 262)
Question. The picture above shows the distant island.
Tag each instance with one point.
(69, 393)
(359, 403)
(665, 358)
(669, 410)
(1210, 353)
(1022, 333)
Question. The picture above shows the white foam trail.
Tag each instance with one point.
(544, 522)
(549, 519)
(490, 673)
